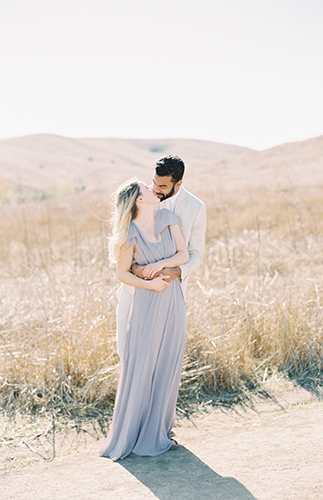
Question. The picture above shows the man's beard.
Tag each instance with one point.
(171, 192)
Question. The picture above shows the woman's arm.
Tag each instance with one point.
(181, 256)
(125, 275)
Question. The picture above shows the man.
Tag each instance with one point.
(167, 184)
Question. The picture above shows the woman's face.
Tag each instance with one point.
(147, 194)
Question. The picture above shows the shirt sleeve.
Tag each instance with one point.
(195, 244)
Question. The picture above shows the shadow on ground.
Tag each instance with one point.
(246, 398)
(181, 474)
(312, 385)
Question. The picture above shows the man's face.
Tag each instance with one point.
(164, 187)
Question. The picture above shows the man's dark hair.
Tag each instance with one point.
(171, 165)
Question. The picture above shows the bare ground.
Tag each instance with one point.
(270, 450)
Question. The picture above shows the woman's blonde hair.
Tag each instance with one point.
(125, 210)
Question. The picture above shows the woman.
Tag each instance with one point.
(151, 365)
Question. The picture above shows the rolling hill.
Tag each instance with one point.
(49, 161)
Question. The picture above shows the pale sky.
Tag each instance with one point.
(244, 72)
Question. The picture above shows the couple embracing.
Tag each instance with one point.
(157, 241)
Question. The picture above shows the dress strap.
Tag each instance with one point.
(165, 218)
(132, 236)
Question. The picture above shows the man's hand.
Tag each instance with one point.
(171, 272)
(137, 270)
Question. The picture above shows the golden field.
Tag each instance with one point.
(254, 307)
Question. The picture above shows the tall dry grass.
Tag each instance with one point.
(254, 307)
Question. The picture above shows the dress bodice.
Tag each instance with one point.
(148, 252)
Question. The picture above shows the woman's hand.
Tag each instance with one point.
(150, 270)
(159, 284)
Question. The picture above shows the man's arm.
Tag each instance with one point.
(195, 243)
(171, 272)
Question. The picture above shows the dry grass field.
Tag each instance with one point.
(254, 307)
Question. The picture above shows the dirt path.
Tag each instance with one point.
(271, 452)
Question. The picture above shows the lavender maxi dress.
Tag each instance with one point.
(144, 411)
